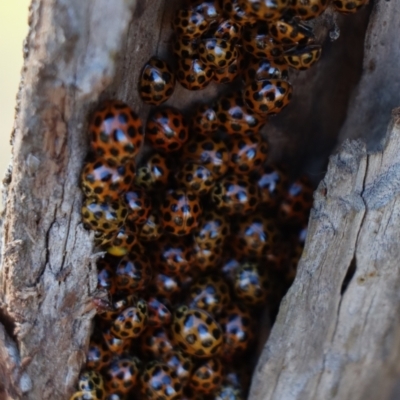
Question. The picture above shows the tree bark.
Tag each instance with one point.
(335, 339)
(79, 53)
(48, 271)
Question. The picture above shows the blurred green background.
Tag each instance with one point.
(13, 30)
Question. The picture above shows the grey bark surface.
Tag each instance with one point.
(48, 272)
(328, 343)
(78, 53)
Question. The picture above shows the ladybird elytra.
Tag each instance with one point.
(193, 73)
(167, 129)
(268, 96)
(157, 82)
(116, 133)
(180, 212)
(196, 332)
(217, 53)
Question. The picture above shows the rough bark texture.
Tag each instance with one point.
(79, 52)
(48, 274)
(330, 340)
(326, 344)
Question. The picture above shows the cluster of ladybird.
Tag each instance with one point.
(203, 234)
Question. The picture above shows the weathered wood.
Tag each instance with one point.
(48, 274)
(331, 345)
(326, 344)
(379, 89)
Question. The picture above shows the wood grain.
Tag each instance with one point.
(326, 343)
(48, 272)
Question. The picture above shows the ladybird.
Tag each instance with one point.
(133, 273)
(115, 345)
(196, 178)
(234, 11)
(217, 53)
(151, 229)
(256, 236)
(348, 6)
(155, 343)
(180, 212)
(116, 133)
(208, 151)
(262, 68)
(139, 206)
(207, 8)
(193, 73)
(100, 303)
(106, 275)
(167, 129)
(204, 120)
(122, 375)
(267, 10)
(230, 267)
(98, 355)
(157, 82)
(115, 396)
(238, 329)
(207, 377)
(180, 363)
(207, 260)
(248, 154)
(166, 286)
(269, 96)
(91, 381)
(184, 48)
(228, 392)
(160, 382)
(290, 33)
(189, 24)
(106, 182)
(303, 58)
(227, 74)
(212, 230)
(131, 322)
(104, 217)
(159, 314)
(308, 9)
(86, 395)
(196, 332)
(119, 304)
(121, 242)
(238, 377)
(235, 195)
(257, 41)
(273, 182)
(252, 284)
(297, 202)
(155, 173)
(235, 117)
(228, 30)
(173, 255)
(210, 293)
